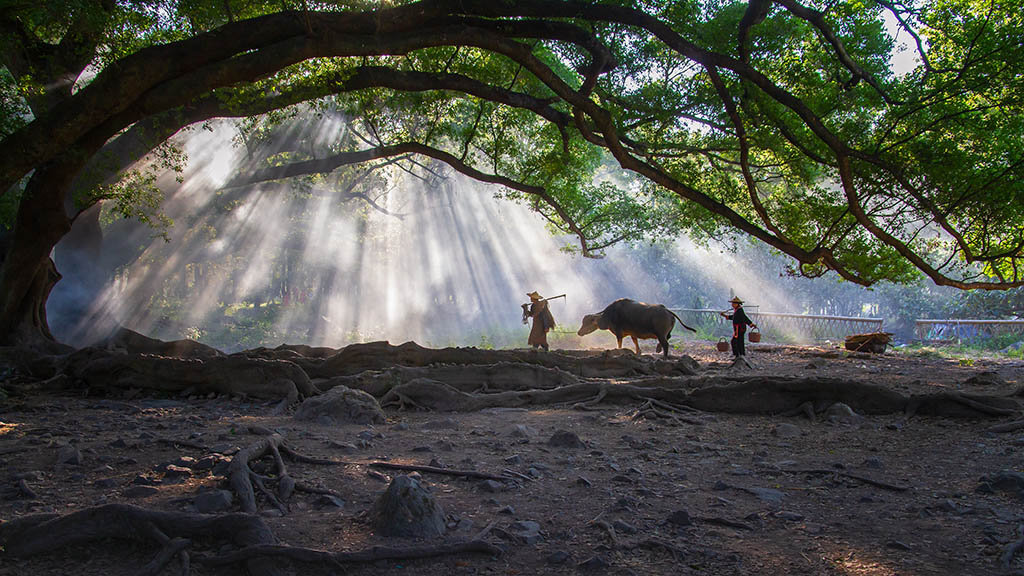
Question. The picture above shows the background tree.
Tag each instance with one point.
(778, 120)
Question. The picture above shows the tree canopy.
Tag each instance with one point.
(616, 119)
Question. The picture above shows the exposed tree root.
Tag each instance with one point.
(1007, 427)
(245, 482)
(663, 410)
(751, 395)
(957, 404)
(357, 358)
(498, 377)
(338, 560)
(135, 343)
(174, 532)
(253, 377)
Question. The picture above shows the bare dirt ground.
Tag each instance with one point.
(703, 493)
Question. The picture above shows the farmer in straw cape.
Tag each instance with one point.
(542, 321)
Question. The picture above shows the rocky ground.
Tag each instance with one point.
(610, 489)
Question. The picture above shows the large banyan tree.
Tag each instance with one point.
(782, 120)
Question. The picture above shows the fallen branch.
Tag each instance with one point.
(723, 522)
(864, 479)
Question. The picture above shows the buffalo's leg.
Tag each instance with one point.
(636, 343)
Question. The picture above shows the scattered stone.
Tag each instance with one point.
(527, 531)
(624, 527)
(344, 447)
(897, 545)
(31, 476)
(786, 430)
(523, 431)
(370, 435)
(558, 557)
(596, 562)
(140, 491)
(565, 439)
(679, 518)
(212, 501)
(224, 449)
(624, 505)
(769, 495)
(873, 463)
(144, 481)
(177, 472)
(507, 510)
(840, 413)
(406, 509)
(1004, 481)
(816, 363)
(68, 455)
(987, 378)
(492, 486)
(328, 501)
(581, 481)
(422, 449)
(341, 405)
(514, 460)
(186, 461)
(446, 424)
(105, 483)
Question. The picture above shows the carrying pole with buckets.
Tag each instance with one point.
(740, 321)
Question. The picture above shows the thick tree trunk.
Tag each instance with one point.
(28, 274)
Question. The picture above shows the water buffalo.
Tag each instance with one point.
(626, 317)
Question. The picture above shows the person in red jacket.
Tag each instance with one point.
(740, 321)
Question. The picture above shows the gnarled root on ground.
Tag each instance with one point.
(174, 532)
(243, 480)
(750, 395)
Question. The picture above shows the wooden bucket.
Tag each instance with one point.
(723, 344)
(755, 335)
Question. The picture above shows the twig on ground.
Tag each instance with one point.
(185, 443)
(1007, 427)
(723, 522)
(864, 479)
(436, 470)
